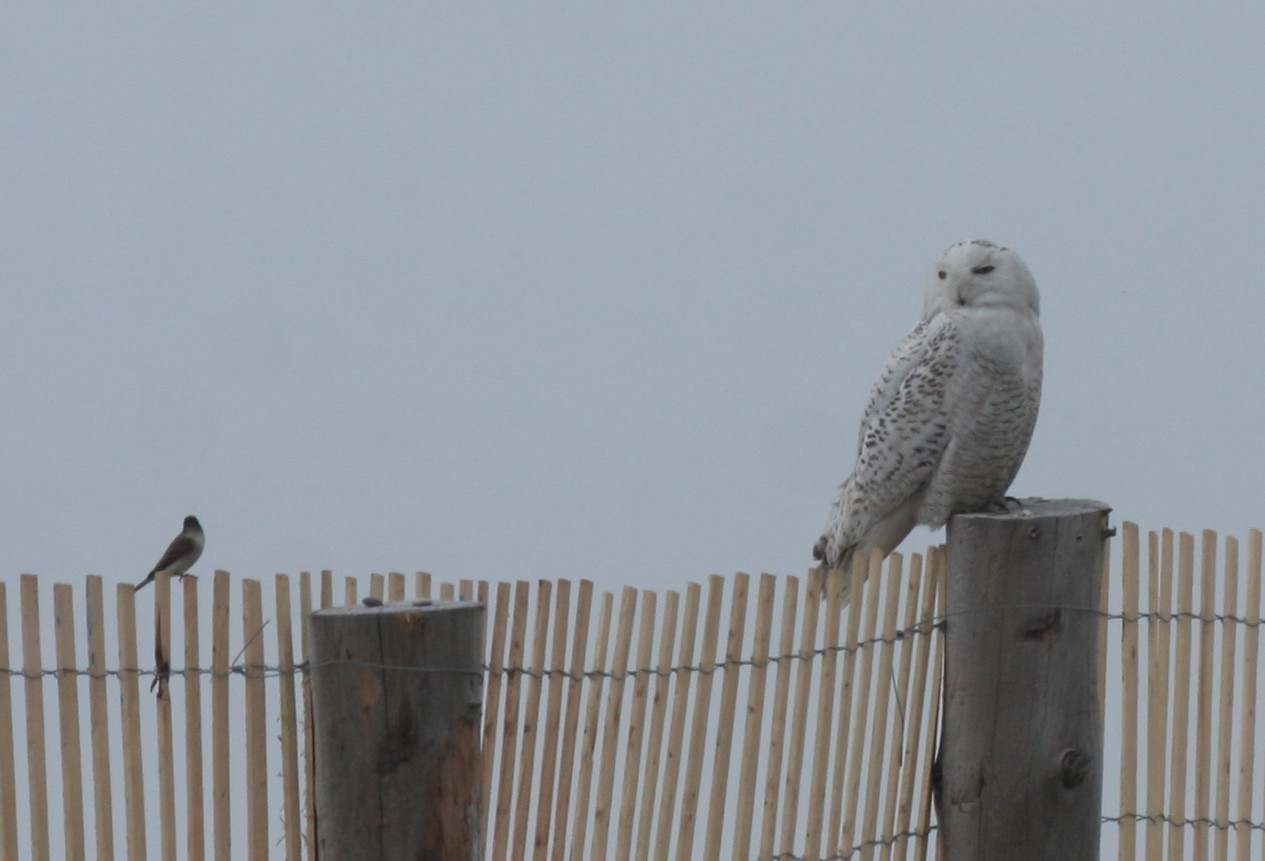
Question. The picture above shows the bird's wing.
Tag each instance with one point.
(903, 433)
(180, 546)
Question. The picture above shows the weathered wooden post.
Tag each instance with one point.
(397, 695)
(1019, 775)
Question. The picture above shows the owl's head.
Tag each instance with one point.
(980, 274)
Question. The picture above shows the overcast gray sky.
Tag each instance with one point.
(597, 289)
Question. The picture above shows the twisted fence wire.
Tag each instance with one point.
(924, 627)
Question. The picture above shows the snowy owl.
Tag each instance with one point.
(950, 416)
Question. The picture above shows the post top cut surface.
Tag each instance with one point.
(1034, 507)
(416, 605)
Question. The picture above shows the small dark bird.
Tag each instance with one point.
(182, 552)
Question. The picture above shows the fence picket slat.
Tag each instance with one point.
(676, 729)
(1247, 717)
(1129, 692)
(327, 590)
(744, 812)
(481, 595)
(492, 689)
(1225, 728)
(290, 822)
(68, 721)
(99, 718)
(878, 734)
(1181, 696)
(1203, 699)
(531, 714)
(799, 712)
(571, 719)
(221, 815)
(658, 717)
(604, 795)
(309, 739)
(130, 720)
(936, 587)
(920, 645)
(777, 728)
(162, 689)
(913, 589)
(195, 836)
(553, 720)
(725, 716)
(866, 595)
(1159, 636)
(827, 666)
(509, 723)
(843, 729)
(195, 824)
(1104, 599)
(33, 686)
(257, 843)
(588, 738)
(698, 725)
(636, 727)
(8, 789)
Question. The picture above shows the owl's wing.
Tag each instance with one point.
(903, 435)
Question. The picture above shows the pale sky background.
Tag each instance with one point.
(597, 290)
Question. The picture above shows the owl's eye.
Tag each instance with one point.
(983, 270)
(943, 275)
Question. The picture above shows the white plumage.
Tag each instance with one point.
(949, 419)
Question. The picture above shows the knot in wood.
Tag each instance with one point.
(1045, 627)
(1074, 766)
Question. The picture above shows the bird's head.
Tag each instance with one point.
(977, 274)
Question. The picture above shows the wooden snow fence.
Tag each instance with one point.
(731, 722)
(741, 717)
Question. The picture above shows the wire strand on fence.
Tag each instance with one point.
(655, 779)
(1179, 822)
(875, 843)
(921, 628)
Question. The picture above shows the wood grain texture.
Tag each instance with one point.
(8, 786)
(396, 699)
(1020, 764)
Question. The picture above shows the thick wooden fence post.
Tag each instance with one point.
(1019, 776)
(397, 694)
